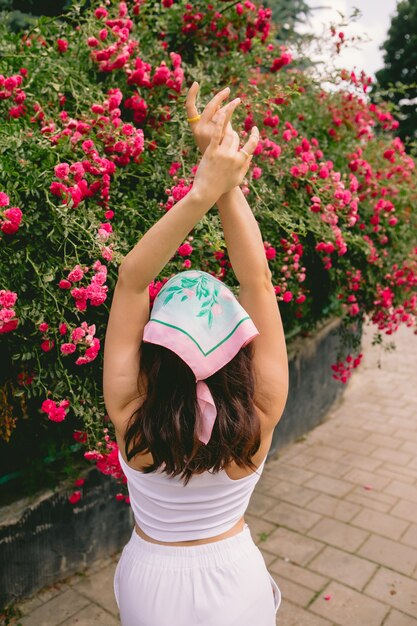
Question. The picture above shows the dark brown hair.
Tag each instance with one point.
(165, 423)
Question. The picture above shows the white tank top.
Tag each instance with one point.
(209, 505)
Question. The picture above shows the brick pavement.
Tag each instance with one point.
(335, 514)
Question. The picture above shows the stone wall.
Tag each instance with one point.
(312, 390)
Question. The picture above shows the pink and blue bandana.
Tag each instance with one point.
(198, 317)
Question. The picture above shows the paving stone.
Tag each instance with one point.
(296, 475)
(395, 618)
(346, 568)
(394, 475)
(297, 448)
(372, 499)
(363, 477)
(380, 523)
(260, 502)
(336, 469)
(295, 494)
(359, 447)
(265, 483)
(291, 615)
(91, 615)
(334, 507)
(375, 427)
(394, 456)
(394, 589)
(361, 462)
(298, 574)
(258, 527)
(402, 490)
(51, 591)
(54, 611)
(338, 534)
(406, 510)
(300, 460)
(29, 605)
(409, 446)
(410, 536)
(293, 591)
(331, 486)
(340, 429)
(401, 469)
(390, 553)
(99, 588)
(292, 517)
(408, 435)
(348, 607)
(326, 452)
(288, 544)
(383, 442)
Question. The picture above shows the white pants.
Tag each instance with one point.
(223, 583)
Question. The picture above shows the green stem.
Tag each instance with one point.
(229, 6)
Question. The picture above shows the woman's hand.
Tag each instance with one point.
(203, 128)
(223, 165)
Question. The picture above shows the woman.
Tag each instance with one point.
(194, 391)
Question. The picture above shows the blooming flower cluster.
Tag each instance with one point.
(122, 141)
(108, 462)
(292, 270)
(9, 218)
(389, 313)
(83, 336)
(95, 291)
(343, 369)
(8, 319)
(176, 193)
(10, 89)
(56, 412)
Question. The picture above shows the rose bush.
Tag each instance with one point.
(95, 147)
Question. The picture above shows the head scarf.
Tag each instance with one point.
(198, 317)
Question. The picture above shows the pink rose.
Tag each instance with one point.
(62, 170)
(185, 250)
(4, 199)
(68, 348)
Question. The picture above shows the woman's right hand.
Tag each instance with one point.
(223, 165)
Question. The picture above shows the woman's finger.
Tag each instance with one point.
(190, 105)
(230, 109)
(235, 141)
(230, 138)
(252, 142)
(210, 109)
(218, 130)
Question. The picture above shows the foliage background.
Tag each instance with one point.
(95, 148)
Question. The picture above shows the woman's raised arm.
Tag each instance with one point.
(257, 296)
(221, 168)
(247, 255)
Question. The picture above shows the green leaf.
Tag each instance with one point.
(189, 282)
(168, 298)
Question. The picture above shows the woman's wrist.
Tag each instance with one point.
(203, 197)
(223, 200)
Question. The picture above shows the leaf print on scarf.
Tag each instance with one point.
(202, 291)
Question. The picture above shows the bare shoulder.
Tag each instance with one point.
(270, 361)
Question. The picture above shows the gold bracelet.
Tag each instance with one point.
(193, 119)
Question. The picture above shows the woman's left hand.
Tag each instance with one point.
(203, 128)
